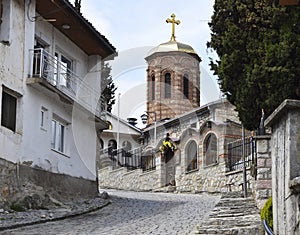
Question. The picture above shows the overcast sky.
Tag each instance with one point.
(133, 27)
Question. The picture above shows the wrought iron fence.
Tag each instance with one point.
(132, 159)
(235, 159)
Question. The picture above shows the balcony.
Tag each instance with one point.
(56, 75)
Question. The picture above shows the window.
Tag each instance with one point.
(210, 149)
(112, 145)
(41, 59)
(185, 86)
(44, 117)
(153, 87)
(62, 71)
(168, 85)
(101, 143)
(58, 134)
(5, 20)
(126, 145)
(191, 156)
(9, 111)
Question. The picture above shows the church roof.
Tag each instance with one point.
(172, 46)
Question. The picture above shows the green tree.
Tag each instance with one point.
(108, 87)
(258, 45)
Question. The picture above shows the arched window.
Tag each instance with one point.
(112, 145)
(210, 149)
(191, 156)
(153, 87)
(126, 145)
(167, 85)
(185, 86)
(101, 143)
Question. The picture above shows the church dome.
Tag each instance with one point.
(172, 46)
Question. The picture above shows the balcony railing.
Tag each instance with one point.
(57, 74)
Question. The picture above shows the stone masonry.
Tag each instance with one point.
(262, 185)
(18, 181)
(285, 145)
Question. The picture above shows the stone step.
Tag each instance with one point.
(233, 212)
(233, 215)
(250, 230)
(228, 222)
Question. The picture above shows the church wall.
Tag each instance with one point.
(121, 178)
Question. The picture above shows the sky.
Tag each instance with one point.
(134, 27)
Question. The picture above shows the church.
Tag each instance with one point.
(199, 134)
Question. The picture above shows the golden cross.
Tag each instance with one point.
(173, 21)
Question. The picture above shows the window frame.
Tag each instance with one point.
(126, 145)
(207, 157)
(153, 87)
(6, 21)
(185, 86)
(191, 162)
(63, 68)
(9, 122)
(58, 139)
(168, 83)
(43, 118)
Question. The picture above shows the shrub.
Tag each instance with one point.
(17, 207)
(267, 212)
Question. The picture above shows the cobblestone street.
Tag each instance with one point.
(134, 213)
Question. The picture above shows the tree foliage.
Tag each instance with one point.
(258, 45)
(108, 87)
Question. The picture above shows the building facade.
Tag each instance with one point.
(200, 134)
(50, 87)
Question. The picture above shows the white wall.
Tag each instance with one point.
(11, 76)
(30, 143)
(80, 137)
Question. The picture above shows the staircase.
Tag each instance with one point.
(233, 215)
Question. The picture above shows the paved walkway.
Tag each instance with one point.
(134, 213)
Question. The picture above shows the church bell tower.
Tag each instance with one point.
(173, 78)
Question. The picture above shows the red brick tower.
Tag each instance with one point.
(173, 78)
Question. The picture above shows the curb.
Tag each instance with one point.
(68, 215)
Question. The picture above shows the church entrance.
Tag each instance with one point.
(170, 168)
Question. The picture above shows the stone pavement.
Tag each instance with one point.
(132, 213)
(233, 215)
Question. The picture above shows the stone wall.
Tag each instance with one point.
(121, 178)
(262, 185)
(18, 181)
(285, 145)
(9, 183)
(208, 179)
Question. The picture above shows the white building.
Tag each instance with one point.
(120, 135)
(50, 86)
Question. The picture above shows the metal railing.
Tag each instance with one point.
(55, 72)
(132, 159)
(235, 159)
